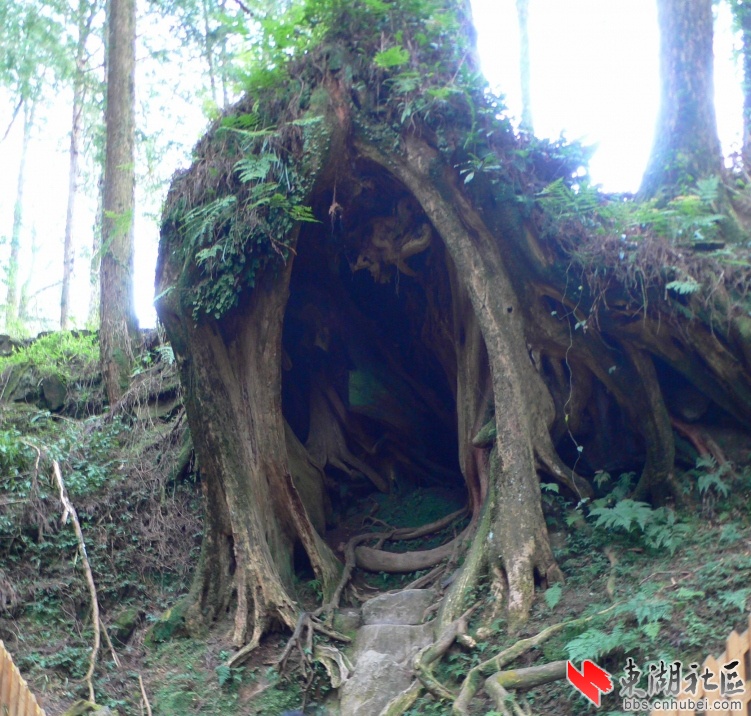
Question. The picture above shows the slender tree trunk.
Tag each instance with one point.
(95, 265)
(68, 257)
(86, 13)
(118, 320)
(24, 313)
(742, 13)
(522, 11)
(11, 300)
(686, 145)
(208, 47)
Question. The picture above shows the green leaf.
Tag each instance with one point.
(393, 57)
(553, 595)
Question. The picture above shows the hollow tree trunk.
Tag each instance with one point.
(523, 407)
(254, 511)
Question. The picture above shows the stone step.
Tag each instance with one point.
(405, 607)
(398, 641)
(376, 680)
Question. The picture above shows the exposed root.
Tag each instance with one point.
(497, 686)
(302, 638)
(376, 560)
(506, 703)
(472, 681)
(704, 444)
(401, 702)
(430, 654)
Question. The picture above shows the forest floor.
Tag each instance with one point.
(678, 581)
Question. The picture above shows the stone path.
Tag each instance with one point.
(392, 632)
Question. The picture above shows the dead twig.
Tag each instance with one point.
(143, 696)
(70, 511)
(115, 657)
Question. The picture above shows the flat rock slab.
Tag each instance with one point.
(405, 607)
(397, 641)
(377, 679)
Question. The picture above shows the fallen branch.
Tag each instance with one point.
(143, 695)
(107, 639)
(70, 511)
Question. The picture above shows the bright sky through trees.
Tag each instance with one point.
(594, 76)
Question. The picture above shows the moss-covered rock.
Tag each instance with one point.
(171, 625)
(125, 624)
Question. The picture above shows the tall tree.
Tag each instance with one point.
(686, 145)
(12, 296)
(32, 58)
(525, 65)
(117, 312)
(741, 10)
(84, 17)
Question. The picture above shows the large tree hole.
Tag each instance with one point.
(366, 384)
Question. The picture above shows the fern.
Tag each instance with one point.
(625, 515)
(712, 476)
(255, 167)
(203, 220)
(595, 643)
(685, 287)
(736, 598)
(393, 57)
(553, 595)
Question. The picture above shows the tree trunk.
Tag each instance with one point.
(68, 256)
(686, 146)
(11, 299)
(522, 11)
(255, 515)
(742, 13)
(118, 320)
(85, 18)
(467, 334)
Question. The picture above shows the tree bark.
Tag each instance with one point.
(742, 13)
(523, 406)
(118, 319)
(85, 18)
(686, 145)
(255, 514)
(11, 299)
(525, 65)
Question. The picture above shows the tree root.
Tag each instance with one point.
(302, 638)
(430, 654)
(377, 560)
(703, 443)
(472, 681)
(497, 686)
(401, 702)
